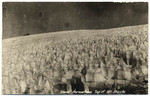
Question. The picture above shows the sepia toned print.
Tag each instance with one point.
(97, 61)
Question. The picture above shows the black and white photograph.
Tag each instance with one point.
(74, 48)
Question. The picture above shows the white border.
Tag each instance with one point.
(67, 1)
(74, 0)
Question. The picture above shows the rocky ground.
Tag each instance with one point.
(111, 61)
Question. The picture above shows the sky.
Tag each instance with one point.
(22, 18)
